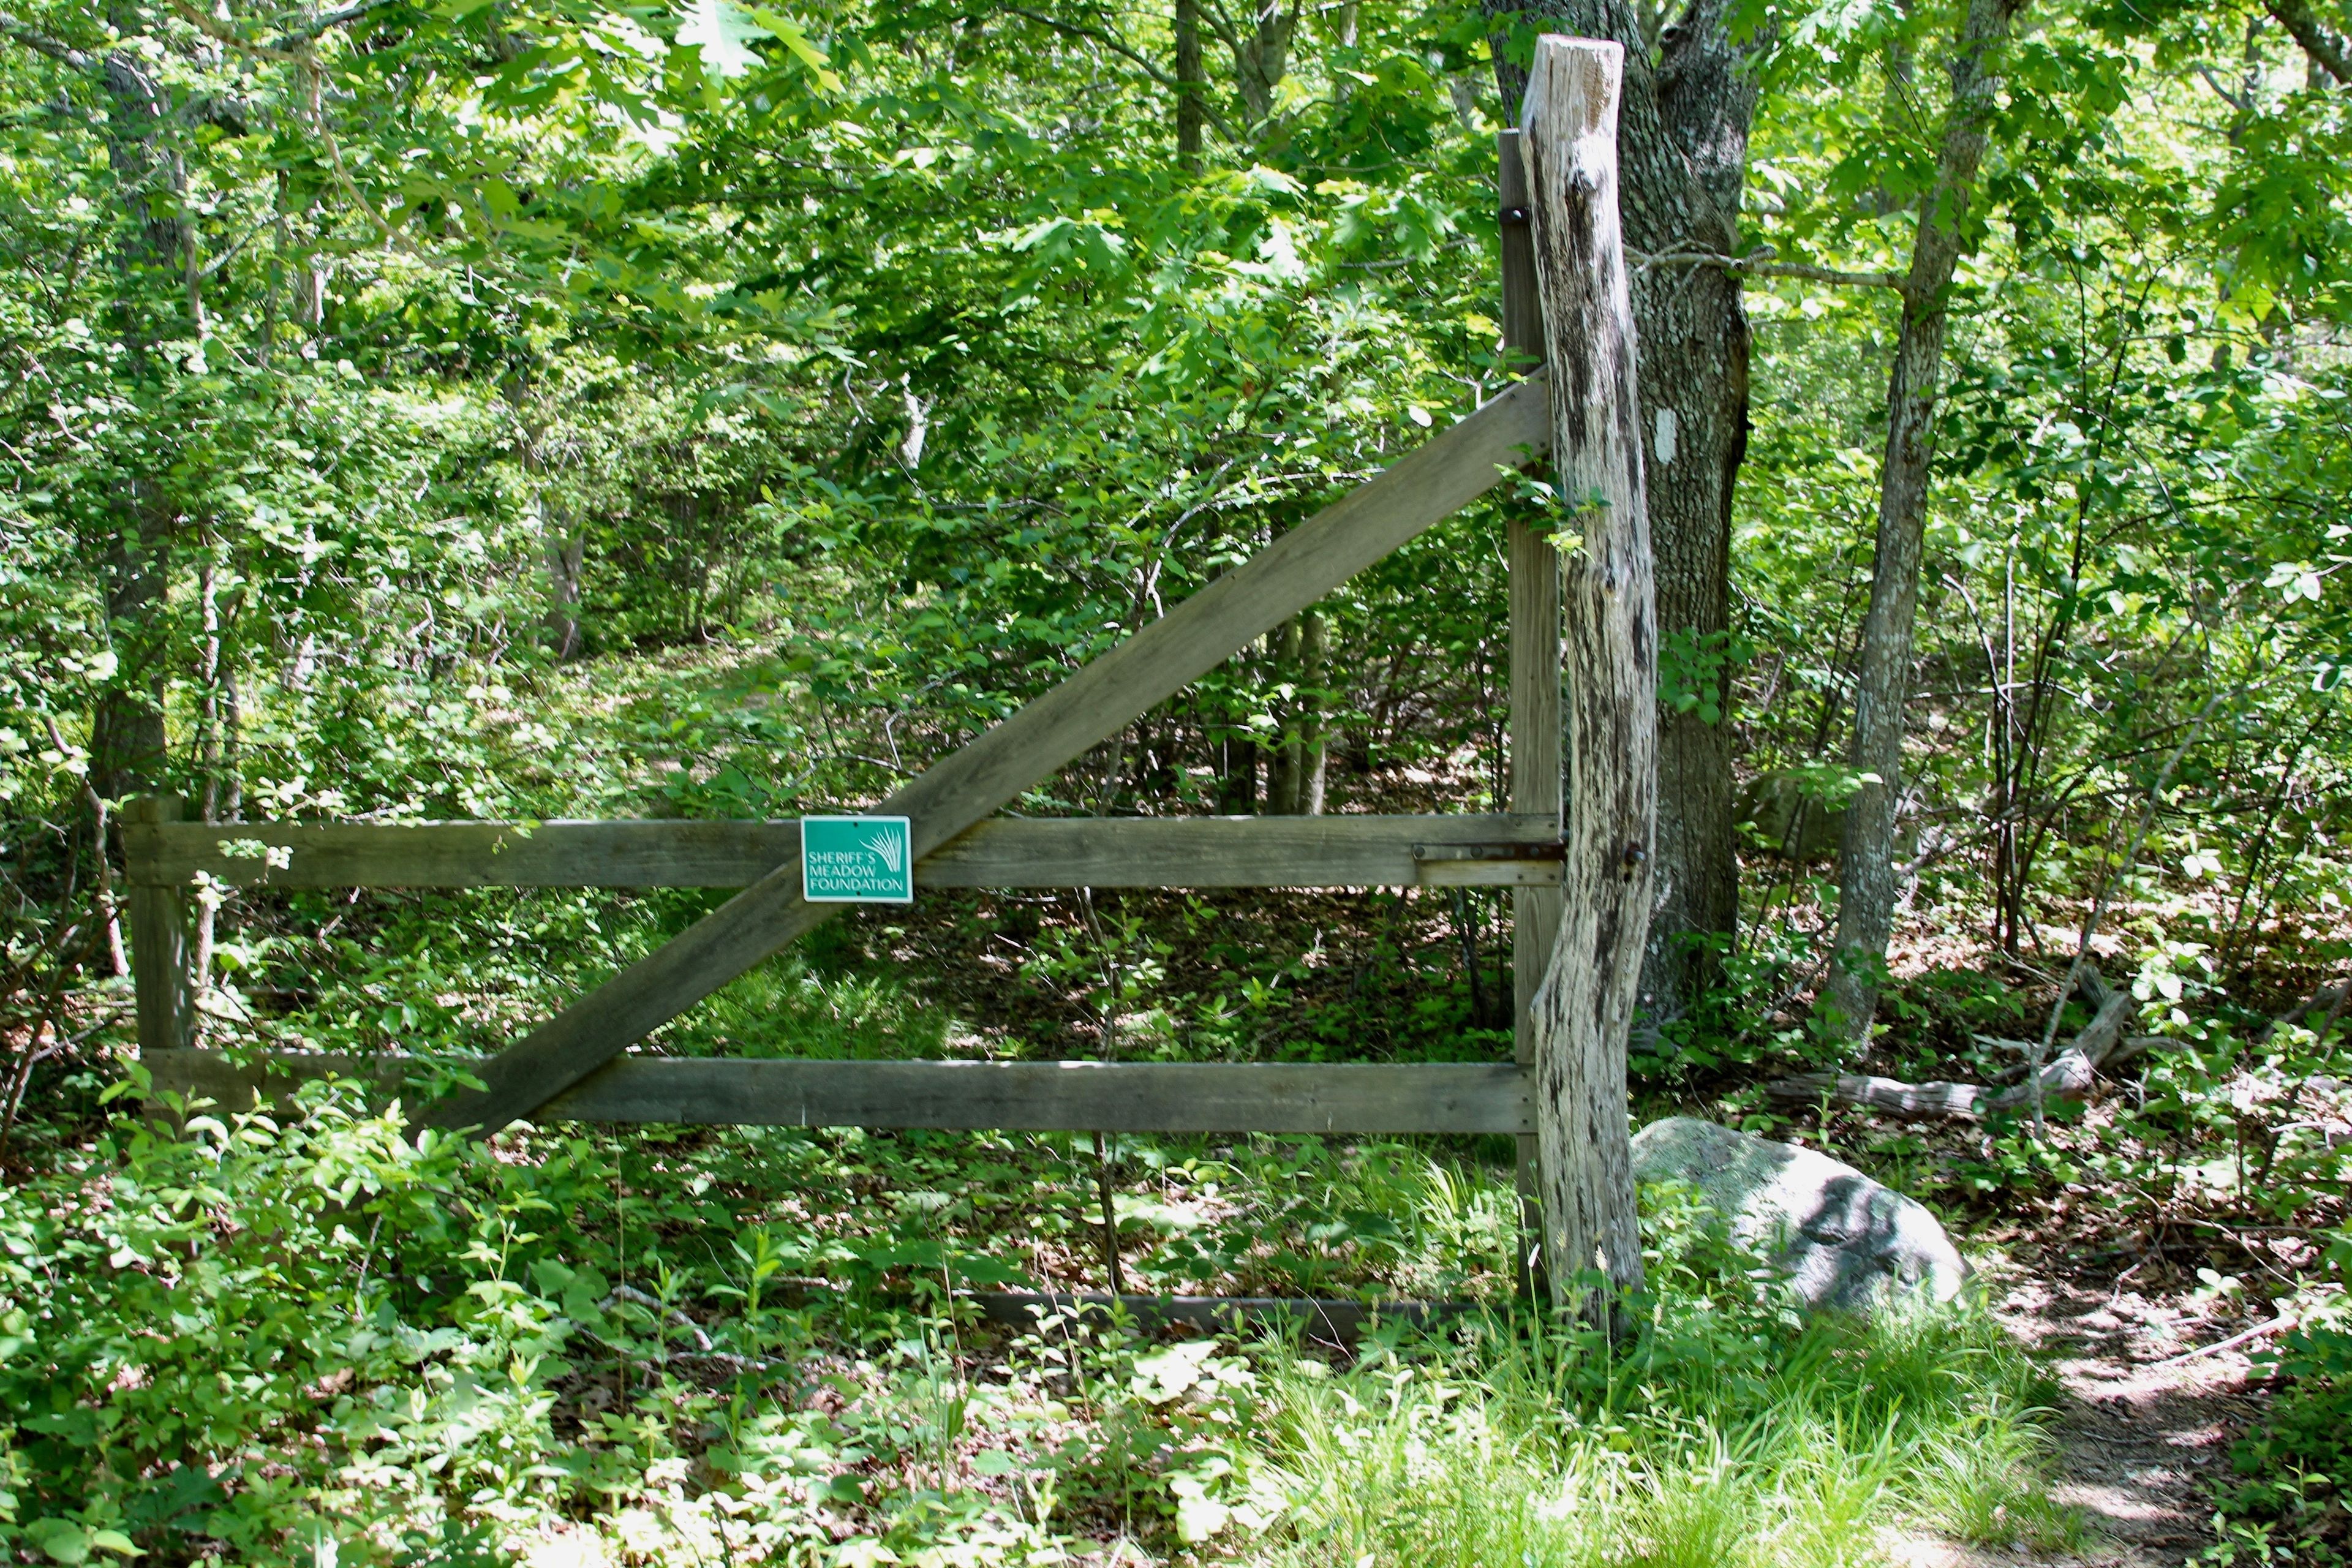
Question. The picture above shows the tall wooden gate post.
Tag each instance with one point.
(1583, 1013)
(1535, 742)
(159, 939)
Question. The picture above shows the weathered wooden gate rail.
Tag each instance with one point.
(1033, 1097)
(1438, 851)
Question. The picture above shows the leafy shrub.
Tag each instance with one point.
(2292, 1466)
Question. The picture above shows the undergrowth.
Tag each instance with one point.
(314, 1339)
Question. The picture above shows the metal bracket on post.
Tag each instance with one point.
(159, 933)
(1536, 756)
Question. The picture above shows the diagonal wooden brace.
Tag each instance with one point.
(1296, 570)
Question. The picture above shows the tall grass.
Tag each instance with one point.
(1726, 1434)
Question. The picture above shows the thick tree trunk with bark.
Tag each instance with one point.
(1684, 145)
(1584, 1011)
(1866, 878)
(153, 286)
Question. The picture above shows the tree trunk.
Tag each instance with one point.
(1584, 1011)
(1866, 890)
(1261, 53)
(1683, 146)
(1191, 117)
(567, 553)
(1237, 776)
(127, 746)
(1294, 772)
(1313, 758)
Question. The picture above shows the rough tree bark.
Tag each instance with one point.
(153, 287)
(1584, 1011)
(1866, 890)
(1192, 116)
(1683, 146)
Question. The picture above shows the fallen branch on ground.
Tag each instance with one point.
(2283, 1320)
(2069, 1076)
(2328, 1002)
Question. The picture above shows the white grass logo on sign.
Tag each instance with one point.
(856, 860)
(892, 849)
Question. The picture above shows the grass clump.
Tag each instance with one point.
(1726, 1433)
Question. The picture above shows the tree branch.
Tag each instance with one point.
(295, 37)
(1119, 45)
(1104, 36)
(2318, 40)
(292, 45)
(1759, 264)
(2071, 1076)
(221, 33)
(41, 42)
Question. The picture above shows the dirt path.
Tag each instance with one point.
(2142, 1437)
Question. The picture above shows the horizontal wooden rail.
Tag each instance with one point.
(1453, 850)
(1321, 1318)
(1121, 1097)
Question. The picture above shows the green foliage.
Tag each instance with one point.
(2288, 1498)
(281, 1336)
(554, 408)
(1724, 1431)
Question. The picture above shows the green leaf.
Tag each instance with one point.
(723, 31)
(61, 1540)
(1199, 1518)
(785, 31)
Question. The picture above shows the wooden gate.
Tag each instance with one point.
(578, 1066)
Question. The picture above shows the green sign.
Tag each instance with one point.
(856, 860)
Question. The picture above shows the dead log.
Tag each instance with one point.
(1913, 1102)
(2068, 1076)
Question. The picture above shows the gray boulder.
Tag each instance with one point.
(1844, 1240)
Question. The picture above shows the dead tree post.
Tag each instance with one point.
(1583, 1014)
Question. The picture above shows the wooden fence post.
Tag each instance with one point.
(1534, 741)
(1584, 1011)
(158, 935)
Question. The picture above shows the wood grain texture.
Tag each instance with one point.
(1537, 759)
(1061, 852)
(1584, 1011)
(1152, 1096)
(1536, 793)
(1523, 333)
(463, 854)
(1097, 701)
(158, 918)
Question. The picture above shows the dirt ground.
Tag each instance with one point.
(2142, 1435)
